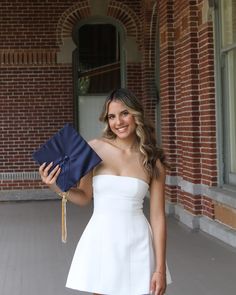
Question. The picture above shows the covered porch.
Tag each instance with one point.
(33, 261)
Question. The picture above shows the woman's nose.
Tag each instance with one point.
(118, 121)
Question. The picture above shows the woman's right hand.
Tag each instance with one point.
(49, 178)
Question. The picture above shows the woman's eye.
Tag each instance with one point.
(125, 113)
(110, 117)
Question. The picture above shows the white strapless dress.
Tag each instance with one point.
(114, 255)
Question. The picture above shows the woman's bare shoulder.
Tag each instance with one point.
(97, 143)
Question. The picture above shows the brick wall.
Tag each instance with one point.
(36, 90)
(35, 102)
(188, 102)
(149, 37)
(31, 24)
(168, 91)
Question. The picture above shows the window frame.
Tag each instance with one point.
(225, 178)
(123, 64)
(120, 29)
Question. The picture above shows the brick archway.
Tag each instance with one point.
(127, 17)
(82, 10)
(70, 17)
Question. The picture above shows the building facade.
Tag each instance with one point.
(58, 60)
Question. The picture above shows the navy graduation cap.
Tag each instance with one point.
(73, 154)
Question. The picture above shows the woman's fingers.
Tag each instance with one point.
(46, 169)
(160, 291)
(158, 286)
(49, 178)
(41, 168)
(153, 286)
(55, 174)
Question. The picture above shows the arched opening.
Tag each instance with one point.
(98, 63)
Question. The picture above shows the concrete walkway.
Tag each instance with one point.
(33, 261)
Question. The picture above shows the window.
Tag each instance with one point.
(99, 58)
(228, 62)
(98, 67)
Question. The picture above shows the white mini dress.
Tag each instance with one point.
(115, 254)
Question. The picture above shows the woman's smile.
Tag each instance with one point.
(121, 121)
(122, 129)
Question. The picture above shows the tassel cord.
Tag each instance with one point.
(64, 196)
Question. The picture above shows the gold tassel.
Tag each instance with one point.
(63, 219)
(64, 196)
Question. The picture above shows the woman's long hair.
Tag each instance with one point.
(145, 132)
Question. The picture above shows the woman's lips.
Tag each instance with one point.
(122, 129)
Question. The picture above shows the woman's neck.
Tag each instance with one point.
(126, 144)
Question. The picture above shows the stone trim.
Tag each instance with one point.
(188, 187)
(27, 195)
(31, 175)
(216, 229)
(223, 195)
(192, 221)
(172, 180)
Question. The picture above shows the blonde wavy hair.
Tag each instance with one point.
(145, 131)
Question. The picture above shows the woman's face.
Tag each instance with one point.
(120, 120)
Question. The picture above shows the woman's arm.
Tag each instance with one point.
(80, 195)
(158, 225)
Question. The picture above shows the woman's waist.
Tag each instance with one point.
(112, 204)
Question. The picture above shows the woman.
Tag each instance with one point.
(119, 253)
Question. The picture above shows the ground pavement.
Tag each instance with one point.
(33, 261)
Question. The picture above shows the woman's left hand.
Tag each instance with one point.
(158, 283)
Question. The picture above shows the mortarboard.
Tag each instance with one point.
(68, 149)
(71, 152)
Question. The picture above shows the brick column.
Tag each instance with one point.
(187, 103)
(167, 92)
(207, 112)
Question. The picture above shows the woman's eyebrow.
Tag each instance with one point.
(119, 112)
(124, 110)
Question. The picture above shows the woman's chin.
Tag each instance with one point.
(124, 135)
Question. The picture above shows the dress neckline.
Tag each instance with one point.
(123, 176)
